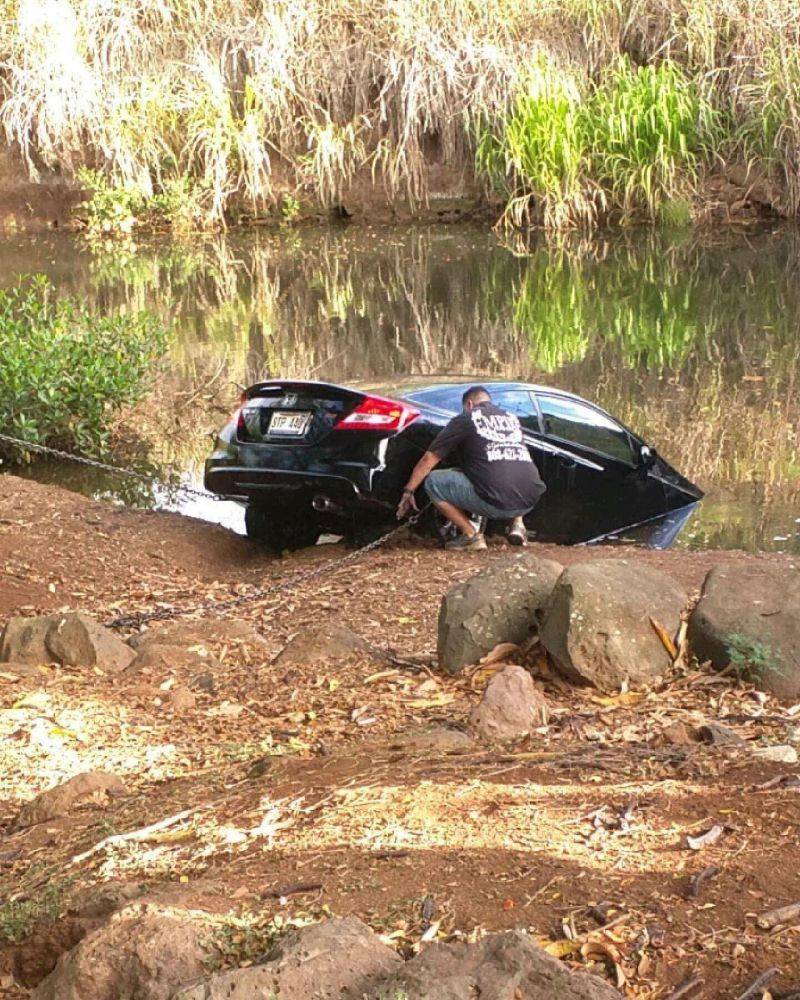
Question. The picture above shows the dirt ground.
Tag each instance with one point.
(305, 796)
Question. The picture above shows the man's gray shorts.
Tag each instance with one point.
(452, 486)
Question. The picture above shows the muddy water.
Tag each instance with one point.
(693, 340)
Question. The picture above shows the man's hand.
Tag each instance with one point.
(407, 503)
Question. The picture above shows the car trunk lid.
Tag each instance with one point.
(294, 412)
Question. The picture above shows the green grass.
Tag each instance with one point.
(69, 371)
(19, 917)
(627, 147)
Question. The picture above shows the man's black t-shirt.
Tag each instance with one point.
(493, 455)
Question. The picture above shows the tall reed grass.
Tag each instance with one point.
(232, 104)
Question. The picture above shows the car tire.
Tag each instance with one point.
(279, 533)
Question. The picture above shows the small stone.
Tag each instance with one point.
(781, 754)
(92, 786)
(322, 645)
(719, 735)
(181, 699)
(677, 734)
(512, 706)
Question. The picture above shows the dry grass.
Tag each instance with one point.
(249, 101)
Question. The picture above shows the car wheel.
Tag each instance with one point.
(279, 533)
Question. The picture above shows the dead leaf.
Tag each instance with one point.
(500, 652)
(600, 951)
(623, 699)
(665, 638)
(560, 949)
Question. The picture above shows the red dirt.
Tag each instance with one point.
(497, 838)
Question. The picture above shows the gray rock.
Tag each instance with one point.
(24, 640)
(91, 786)
(512, 706)
(498, 604)
(326, 644)
(597, 624)
(77, 640)
(339, 959)
(133, 957)
(503, 966)
(74, 640)
(749, 614)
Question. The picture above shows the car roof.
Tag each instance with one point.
(418, 384)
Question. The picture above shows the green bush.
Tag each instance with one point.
(67, 372)
(629, 146)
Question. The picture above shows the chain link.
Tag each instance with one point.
(291, 583)
(93, 463)
(138, 619)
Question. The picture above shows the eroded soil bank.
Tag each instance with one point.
(352, 813)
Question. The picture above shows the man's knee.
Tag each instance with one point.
(436, 483)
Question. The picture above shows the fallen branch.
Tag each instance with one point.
(697, 880)
(758, 984)
(142, 834)
(291, 890)
(780, 915)
(685, 988)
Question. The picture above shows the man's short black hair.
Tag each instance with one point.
(474, 393)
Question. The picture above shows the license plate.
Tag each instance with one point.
(289, 423)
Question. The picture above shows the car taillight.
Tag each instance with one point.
(378, 414)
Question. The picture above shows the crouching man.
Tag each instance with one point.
(496, 476)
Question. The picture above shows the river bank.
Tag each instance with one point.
(329, 748)
(570, 115)
(733, 196)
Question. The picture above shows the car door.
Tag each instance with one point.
(590, 464)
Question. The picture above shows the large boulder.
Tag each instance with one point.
(498, 604)
(512, 706)
(503, 966)
(339, 959)
(598, 624)
(90, 787)
(72, 639)
(135, 956)
(749, 615)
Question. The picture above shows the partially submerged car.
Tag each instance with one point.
(308, 458)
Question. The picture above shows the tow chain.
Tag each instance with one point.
(162, 614)
(93, 463)
(138, 619)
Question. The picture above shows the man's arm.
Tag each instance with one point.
(426, 464)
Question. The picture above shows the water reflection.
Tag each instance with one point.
(692, 339)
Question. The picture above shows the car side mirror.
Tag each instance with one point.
(647, 457)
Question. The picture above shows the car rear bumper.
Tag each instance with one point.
(283, 487)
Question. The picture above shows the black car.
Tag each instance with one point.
(309, 458)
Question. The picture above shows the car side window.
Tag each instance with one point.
(573, 421)
(521, 403)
